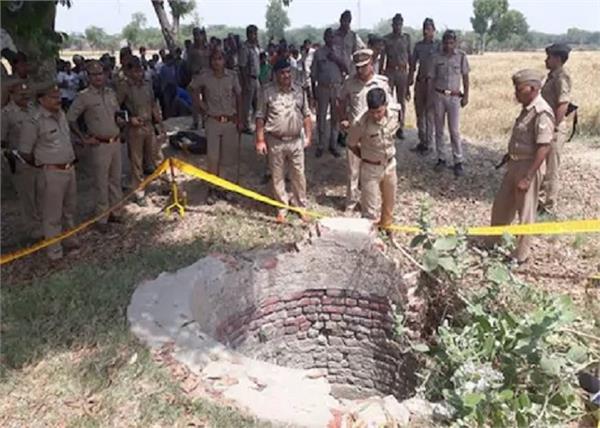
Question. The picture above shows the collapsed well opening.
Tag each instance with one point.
(348, 336)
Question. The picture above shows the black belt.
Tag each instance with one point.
(222, 119)
(378, 163)
(285, 138)
(449, 92)
(107, 140)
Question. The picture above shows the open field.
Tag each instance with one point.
(67, 356)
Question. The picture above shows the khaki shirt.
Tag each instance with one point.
(354, 94)
(323, 70)
(282, 111)
(198, 59)
(534, 126)
(377, 141)
(46, 135)
(13, 118)
(557, 88)
(447, 70)
(138, 99)
(422, 55)
(397, 50)
(219, 92)
(98, 107)
(345, 45)
(249, 60)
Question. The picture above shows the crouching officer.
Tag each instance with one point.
(139, 100)
(45, 141)
(98, 104)
(281, 115)
(23, 175)
(374, 145)
(528, 148)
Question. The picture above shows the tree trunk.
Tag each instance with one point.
(165, 26)
(175, 26)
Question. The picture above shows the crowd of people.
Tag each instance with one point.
(358, 90)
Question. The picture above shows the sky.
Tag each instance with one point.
(549, 16)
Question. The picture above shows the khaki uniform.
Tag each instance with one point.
(328, 78)
(534, 126)
(422, 54)
(26, 176)
(378, 165)
(446, 75)
(98, 107)
(249, 63)
(283, 113)
(397, 54)
(345, 45)
(46, 136)
(354, 94)
(198, 60)
(139, 101)
(221, 131)
(556, 91)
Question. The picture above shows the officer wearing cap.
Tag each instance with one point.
(421, 63)
(24, 176)
(346, 41)
(557, 92)
(396, 60)
(327, 71)
(98, 106)
(448, 68)
(249, 64)
(282, 113)
(529, 144)
(219, 99)
(139, 100)
(198, 61)
(45, 141)
(352, 104)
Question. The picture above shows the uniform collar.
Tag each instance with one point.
(97, 90)
(47, 113)
(533, 103)
(555, 72)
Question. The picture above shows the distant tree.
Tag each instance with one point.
(97, 37)
(179, 9)
(493, 20)
(277, 19)
(133, 31)
(512, 23)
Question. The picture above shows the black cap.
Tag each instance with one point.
(397, 17)
(281, 64)
(558, 49)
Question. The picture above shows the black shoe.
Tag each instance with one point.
(400, 134)
(149, 171)
(115, 219)
(458, 170)
(335, 152)
(266, 178)
(342, 139)
(247, 131)
(102, 227)
(420, 148)
(319, 152)
(440, 165)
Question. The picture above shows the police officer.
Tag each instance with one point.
(346, 41)
(529, 145)
(249, 65)
(138, 97)
(45, 141)
(396, 62)
(421, 63)
(98, 105)
(557, 92)
(218, 96)
(282, 114)
(25, 176)
(352, 104)
(326, 77)
(198, 61)
(448, 68)
(374, 145)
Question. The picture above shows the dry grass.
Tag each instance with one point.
(67, 358)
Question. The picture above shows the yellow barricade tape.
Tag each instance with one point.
(551, 228)
(7, 258)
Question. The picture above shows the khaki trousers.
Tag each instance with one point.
(249, 93)
(326, 99)
(551, 181)
(222, 152)
(59, 204)
(510, 201)
(106, 161)
(140, 140)
(398, 80)
(447, 105)
(378, 184)
(352, 185)
(282, 153)
(25, 180)
(425, 113)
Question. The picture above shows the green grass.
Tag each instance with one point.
(65, 341)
